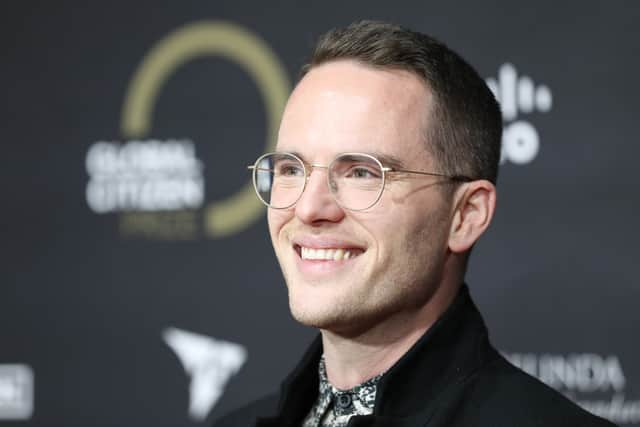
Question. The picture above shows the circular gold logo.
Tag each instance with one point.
(238, 211)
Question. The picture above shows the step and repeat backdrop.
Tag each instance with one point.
(139, 287)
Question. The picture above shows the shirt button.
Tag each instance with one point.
(344, 401)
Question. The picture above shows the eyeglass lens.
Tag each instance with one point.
(355, 180)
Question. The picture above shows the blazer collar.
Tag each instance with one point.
(448, 353)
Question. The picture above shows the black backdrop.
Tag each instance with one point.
(124, 280)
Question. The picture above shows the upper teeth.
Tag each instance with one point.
(327, 254)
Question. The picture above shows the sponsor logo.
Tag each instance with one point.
(518, 95)
(144, 176)
(157, 186)
(208, 362)
(595, 382)
(16, 392)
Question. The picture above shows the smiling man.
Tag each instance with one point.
(382, 182)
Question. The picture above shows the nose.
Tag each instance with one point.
(317, 205)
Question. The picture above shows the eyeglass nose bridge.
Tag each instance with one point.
(309, 167)
(312, 166)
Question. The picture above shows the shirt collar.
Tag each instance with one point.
(354, 401)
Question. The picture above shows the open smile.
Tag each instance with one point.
(327, 254)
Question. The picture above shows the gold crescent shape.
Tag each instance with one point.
(209, 38)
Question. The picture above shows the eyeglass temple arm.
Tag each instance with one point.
(461, 178)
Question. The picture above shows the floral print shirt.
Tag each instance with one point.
(334, 407)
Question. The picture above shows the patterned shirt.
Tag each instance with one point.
(335, 407)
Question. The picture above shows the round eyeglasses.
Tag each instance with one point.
(356, 180)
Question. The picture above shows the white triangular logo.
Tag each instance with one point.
(209, 362)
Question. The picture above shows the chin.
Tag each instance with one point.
(328, 321)
(341, 317)
(319, 311)
(308, 308)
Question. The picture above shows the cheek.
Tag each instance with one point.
(412, 234)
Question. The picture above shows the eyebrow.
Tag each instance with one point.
(387, 160)
(295, 153)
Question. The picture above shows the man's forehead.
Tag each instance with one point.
(344, 106)
(350, 77)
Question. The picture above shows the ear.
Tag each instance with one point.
(476, 203)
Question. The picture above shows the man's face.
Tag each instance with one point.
(399, 245)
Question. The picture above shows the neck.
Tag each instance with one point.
(351, 360)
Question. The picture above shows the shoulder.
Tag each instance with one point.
(247, 415)
(505, 394)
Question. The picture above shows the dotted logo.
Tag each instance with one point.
(519, 95)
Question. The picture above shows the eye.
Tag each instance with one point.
(357, 167)
(289, 169)
(363, 172)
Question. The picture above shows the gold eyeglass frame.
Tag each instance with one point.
(308, 168)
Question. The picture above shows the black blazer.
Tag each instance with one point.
(452, 377)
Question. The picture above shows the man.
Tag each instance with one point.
(383, 180)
